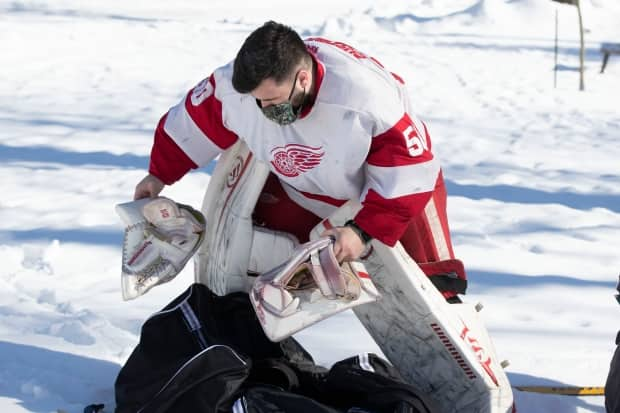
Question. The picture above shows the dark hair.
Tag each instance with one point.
(271, 51)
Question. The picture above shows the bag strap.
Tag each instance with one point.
(371, 383)
(275, 372)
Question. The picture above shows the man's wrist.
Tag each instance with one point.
(364, 236)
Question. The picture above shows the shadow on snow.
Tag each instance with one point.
(507, 193)
(111, 237)
(37, 10)
(483, 280)
(54, 155)
(533, 402)
(48, 154)
(40, 379)
(474, 10)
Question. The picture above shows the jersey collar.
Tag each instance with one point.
(319, 74)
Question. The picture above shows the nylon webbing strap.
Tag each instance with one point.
(566, 391)
(449, 282)
(193, 323)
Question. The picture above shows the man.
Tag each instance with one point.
(333, 124)
(612, 386)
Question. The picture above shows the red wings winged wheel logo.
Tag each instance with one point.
(294, 159)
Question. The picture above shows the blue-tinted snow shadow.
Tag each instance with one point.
(50, 154)
(103, 237)
(476, 11)
(389, 22)
(565, 68)
(41, 379)
(43, 10)
(591, 54)
(482, 281)
(539, 403)
(73, 122)
(507, 193)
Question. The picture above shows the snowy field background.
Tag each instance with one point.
(533, 174)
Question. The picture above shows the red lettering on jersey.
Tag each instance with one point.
(343, 46)
(403, 144)
(352, 51)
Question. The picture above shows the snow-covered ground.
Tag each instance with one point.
(532, 171)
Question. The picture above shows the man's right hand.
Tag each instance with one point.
(149, 187)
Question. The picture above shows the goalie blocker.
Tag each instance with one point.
(309, 287)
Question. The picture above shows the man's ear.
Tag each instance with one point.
(304, 78)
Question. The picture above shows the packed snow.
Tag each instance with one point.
(532, 172)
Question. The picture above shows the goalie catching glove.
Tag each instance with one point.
(160, 237)
(308, 288)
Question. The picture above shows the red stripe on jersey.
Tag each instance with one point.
(428, 137)
(320, 73)
(398, 78)
(387, 219)
(401, 145)
(324, 198)
(346, 48)
(208, 117)
(168, 162)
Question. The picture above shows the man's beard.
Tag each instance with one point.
(302, 101)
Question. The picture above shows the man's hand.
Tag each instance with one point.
(348, 245)
(149, 187)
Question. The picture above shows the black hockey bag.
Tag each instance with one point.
(195, 352)
(361, 384)
(371, 384)
(208, 354)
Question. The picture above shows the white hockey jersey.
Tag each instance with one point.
(357, 140)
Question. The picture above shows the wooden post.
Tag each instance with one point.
(555, 56)
(577, 4)
(582, 48)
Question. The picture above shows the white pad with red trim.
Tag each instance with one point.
(160, 237)
(309, 287)
(441, 348)
(225, 258)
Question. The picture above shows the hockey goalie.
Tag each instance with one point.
(439, 345)
(328, 196)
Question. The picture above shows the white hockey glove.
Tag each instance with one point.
(308, 288)
(160, 237)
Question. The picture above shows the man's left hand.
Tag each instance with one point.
(348, 245)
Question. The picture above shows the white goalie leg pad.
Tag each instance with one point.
(160, 237)
(443, 349)
(235, 185)
(308, 288)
